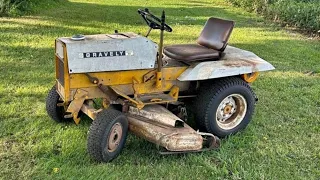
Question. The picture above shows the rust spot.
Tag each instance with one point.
(241, 63)
(237, 63)
(253, 64)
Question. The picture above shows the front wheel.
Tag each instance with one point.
(107, 135)
(225, 106)
(54, 111)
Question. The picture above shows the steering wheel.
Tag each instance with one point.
(153, 21)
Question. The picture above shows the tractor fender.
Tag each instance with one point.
(234, 62)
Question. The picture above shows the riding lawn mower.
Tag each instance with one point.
(127, 82)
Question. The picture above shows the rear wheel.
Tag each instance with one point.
(225, 106)
(54, 111)
(107, 135)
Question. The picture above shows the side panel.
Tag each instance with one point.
(62, 74)
(60, 49)
(235, 62)
(122, 77)
(98, 55)
(60, 90)
(95, 92)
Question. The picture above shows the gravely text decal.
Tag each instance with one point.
(104, 54)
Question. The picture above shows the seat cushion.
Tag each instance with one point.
(191, 52)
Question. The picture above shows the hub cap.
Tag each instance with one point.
(114, 137)
(231, 111)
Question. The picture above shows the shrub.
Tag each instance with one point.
(304, 14)
(13, 7)
(251, 5)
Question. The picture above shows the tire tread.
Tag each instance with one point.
(96, 133)
(51, 106)
(209, 92)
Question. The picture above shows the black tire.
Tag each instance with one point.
(100, 134)
(237, 94)
(55, 112)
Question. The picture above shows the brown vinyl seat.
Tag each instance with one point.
(210, 45)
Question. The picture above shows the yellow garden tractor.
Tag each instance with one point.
(126, 82)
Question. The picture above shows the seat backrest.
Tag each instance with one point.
(216, 33)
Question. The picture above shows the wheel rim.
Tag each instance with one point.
(231, 111)
(114, 137)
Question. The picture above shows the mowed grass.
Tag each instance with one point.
(281, 142)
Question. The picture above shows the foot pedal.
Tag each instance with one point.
(155, 98)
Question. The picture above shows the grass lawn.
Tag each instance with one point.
(281, 142)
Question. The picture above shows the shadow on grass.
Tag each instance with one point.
(31, 32)
(92, 15)
(71, 15)
(22, 71)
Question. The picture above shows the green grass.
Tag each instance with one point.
(281, 142)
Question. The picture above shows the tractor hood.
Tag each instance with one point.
(108, 52)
